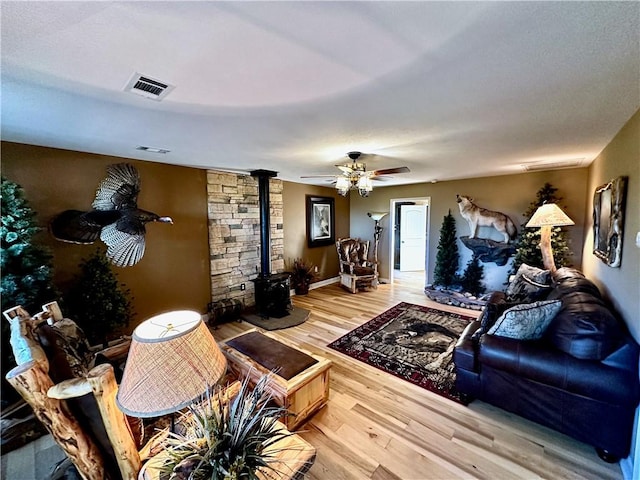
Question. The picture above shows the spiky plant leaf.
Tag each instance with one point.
(227, 441)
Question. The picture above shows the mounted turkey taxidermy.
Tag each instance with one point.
(115, 218)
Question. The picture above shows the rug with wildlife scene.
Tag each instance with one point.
(412, 342)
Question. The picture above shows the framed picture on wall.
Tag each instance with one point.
(321, 213)
(608, 221)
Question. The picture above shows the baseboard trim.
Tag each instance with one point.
(321, 283)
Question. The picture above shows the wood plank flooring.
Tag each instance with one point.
(379, 427)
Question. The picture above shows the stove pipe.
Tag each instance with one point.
(265, 226)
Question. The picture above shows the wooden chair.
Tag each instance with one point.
(356, 271)
(76, 406)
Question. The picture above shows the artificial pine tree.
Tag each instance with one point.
(528, 240)
(471, 280)
(97, 302)
(26, 267)
(447, 258)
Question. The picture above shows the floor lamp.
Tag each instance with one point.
(547, 216)
(377, 230)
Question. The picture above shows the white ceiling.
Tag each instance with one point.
(449, 89)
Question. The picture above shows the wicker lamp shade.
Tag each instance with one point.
(173, 360)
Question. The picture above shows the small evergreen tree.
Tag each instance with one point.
(447, 258)
(528, 240)
(471, 280)
(27, 273)
(97, 302)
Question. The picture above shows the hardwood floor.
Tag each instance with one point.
(379, 427)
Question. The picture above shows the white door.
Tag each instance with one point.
(413, 234)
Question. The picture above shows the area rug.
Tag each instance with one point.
(412, 342)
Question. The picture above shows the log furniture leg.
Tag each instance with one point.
(32, 382)
(103, 383)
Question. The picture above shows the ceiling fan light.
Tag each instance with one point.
(342, 183)
(364, 183)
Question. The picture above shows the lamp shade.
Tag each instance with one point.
(549, 214)
(172, 361)
(377, 216)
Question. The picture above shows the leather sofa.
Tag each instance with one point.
(579, 378)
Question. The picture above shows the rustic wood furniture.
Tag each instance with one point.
(301, 380)
(356, 271)
(292, 459)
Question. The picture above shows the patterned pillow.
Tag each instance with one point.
(529, 284)
(527, 321)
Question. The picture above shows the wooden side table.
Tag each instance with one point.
(293, 457)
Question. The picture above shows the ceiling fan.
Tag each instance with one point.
(356, 177)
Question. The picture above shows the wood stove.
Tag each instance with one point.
(272, 290)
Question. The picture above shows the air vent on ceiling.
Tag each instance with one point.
(148, 87)
(152, 149)
(557, 165)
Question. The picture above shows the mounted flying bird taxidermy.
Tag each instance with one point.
(115, 218)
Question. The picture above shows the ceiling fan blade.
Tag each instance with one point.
(390, 171)
(317, 176)
(345, 168)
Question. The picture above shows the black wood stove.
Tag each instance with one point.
(272, 290)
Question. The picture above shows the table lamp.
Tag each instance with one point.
(547, 216)
(172, 361)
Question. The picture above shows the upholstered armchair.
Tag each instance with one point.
(356, 271)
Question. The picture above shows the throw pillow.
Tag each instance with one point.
(529, 284)
(527, 321)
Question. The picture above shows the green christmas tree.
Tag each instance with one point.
(447, 258)
(97, 302)
(471, 280)
(528, 240)
(27, 274)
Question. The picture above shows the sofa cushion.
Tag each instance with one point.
(529, 284)
(584, 328)
(527, 321)
(495, 306)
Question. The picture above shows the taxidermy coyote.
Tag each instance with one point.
(481, 217)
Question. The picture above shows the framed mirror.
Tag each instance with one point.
(608, 221)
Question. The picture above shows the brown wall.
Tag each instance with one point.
(621, 285)
(295, 234)
(174, 272)
(510, 194)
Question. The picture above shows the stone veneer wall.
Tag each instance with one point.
(234, 233)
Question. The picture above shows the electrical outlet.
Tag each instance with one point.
(243, 286)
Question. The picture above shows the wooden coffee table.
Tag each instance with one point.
(301, 382)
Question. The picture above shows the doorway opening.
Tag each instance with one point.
(409, 242)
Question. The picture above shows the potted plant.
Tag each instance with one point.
(227, 441)
(302, 274)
